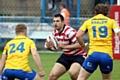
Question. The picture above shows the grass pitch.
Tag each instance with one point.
(48, 60)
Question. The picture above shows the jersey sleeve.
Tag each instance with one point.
(33, 45)
(5, 50)
(72, 35)
(84, 26)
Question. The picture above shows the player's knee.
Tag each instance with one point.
(52, 76)
(73, 75)
(37, 77)
(81, 78)
(106, 79)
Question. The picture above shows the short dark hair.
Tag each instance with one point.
(59, 15)
(102, 9)
(63, 5)
(20, 28)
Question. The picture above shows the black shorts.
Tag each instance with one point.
(66, 61)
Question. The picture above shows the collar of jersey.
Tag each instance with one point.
(20, 36)
(62, 29)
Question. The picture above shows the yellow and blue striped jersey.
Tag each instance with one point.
(17, 51)
(100, 29)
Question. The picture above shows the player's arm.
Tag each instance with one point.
(37, 61)
(81, 32)
(79, 36)
(2, 62)
(3, 59)
(118, 34)
(72, 38)
(116, 29)
(76, 45)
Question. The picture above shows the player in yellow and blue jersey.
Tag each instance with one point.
(100, 29)
(14, 59)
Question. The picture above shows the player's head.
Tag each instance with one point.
(60, 16)
(101, 9)
(62, 6)
(58, 21)
(21, 29)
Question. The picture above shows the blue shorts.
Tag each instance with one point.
(11, 74)
(98, 58)
(66, 61)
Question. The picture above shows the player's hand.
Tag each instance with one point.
(84, 47)
(49, 44)
(60, 44)
(42, 73)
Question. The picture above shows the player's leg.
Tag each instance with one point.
(57, 70)
(37, 77)
(7, 75)
(60, 67)
(106, 76)
(26, 75)
(74, 71)
(106, 66)
(76, 66)
(83, 74)
(89, 66)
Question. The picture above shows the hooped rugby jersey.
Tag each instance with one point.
(68, 36)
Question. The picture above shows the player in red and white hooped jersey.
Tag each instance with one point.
(68, 37)
(72, 57)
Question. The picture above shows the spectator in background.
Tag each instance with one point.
(69, 5)
(53, 5)
(65, 13)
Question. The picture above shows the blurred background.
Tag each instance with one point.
(38, 14)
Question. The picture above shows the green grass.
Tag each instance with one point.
(48, 60)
